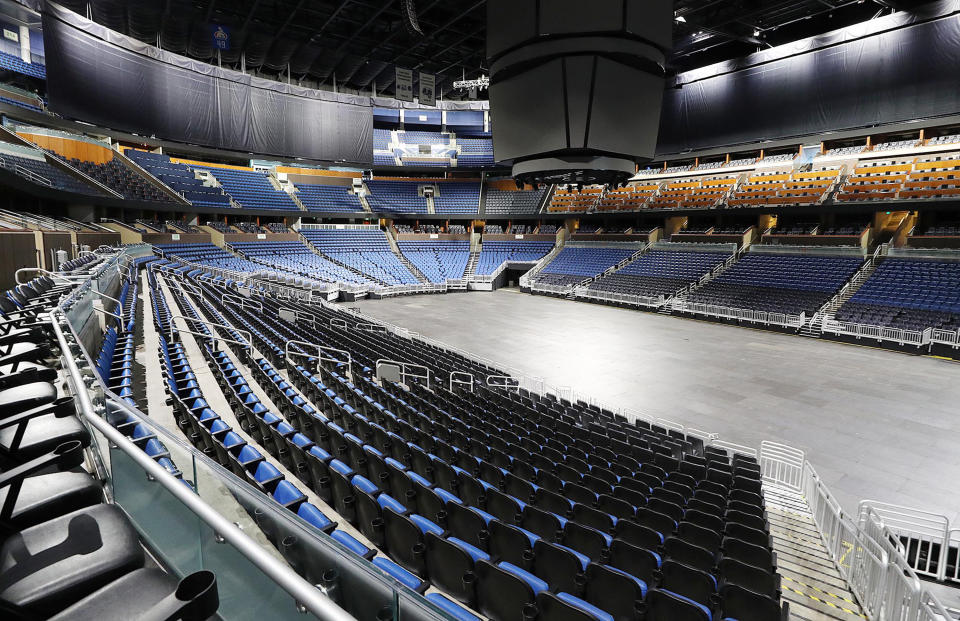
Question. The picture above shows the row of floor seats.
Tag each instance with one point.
(413, 483)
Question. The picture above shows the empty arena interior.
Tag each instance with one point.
(508, 309)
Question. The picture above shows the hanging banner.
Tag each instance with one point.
(428, 94)
(404, 90)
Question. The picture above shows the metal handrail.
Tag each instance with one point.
(319, 356)
(248, 345)
(454, 380)
(403, 366)
(227, 298)
(304, 593)
(54, 275)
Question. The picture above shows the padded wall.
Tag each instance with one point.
(858, 77)
(101, 77)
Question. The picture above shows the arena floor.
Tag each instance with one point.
(875, 424)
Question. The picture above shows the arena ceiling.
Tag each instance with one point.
(357, 43)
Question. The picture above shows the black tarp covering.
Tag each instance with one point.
(100, 77)
(906, 73)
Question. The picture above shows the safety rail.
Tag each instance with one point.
(454, 375)
(248, 344)
(865, 555)
(320, 350)
(294, 315)
(74, 280)
(945, 337)
(785, 320)
(395, 290)
(407, 370)
(371, 327)
(921, 537)
(619, 298)
(305, 595)
(538, 287)
(243, 302)
(917, 338)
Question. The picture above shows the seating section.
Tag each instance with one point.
(778, 283)
(293, 258)
(208, 254)
(117, 176)
(438, 260)
(495, 253)
(908, 294)
(693, 193)
(455, 197)
(32, 166)
(660, 272)
(576, 263)
(871, 181)
(786, 188)
(251, 189)
(628, 198)
(318, 197)
(395, 196)
(180, 179)
(15, 63)
(503, 202)
(495, 500)
(566, 199)
(366, 251)
(474, 152)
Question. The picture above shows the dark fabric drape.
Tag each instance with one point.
(898, 75)
(101, 77)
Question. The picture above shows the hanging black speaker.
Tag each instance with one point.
(576, 86)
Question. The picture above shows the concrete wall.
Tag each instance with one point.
(17, 249)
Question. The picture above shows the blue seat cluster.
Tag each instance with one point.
(908, 294)
(438, 260)
(506, 500)
(494, 253)
(294, 258)
(660, 272)
(30, 168)
(366, 251)
(395, 196)
(180, 179)
(15, 63)
(319, 197)
(475, 152)
(422, 137)
(210, 432)
(779, 283)
(251, 189)
(457, 197)
(576, 263)
(118, 176)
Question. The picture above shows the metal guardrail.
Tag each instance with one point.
(741, 314)
(407, 370)
(620, 298)
(303, 592)
(864, 553)
(918, 338)
(174, 330)
(320, 351)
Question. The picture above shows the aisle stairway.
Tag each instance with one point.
(471, 265)
(809, 580)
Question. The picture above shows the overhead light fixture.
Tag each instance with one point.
(680, 19)
(756, 32)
